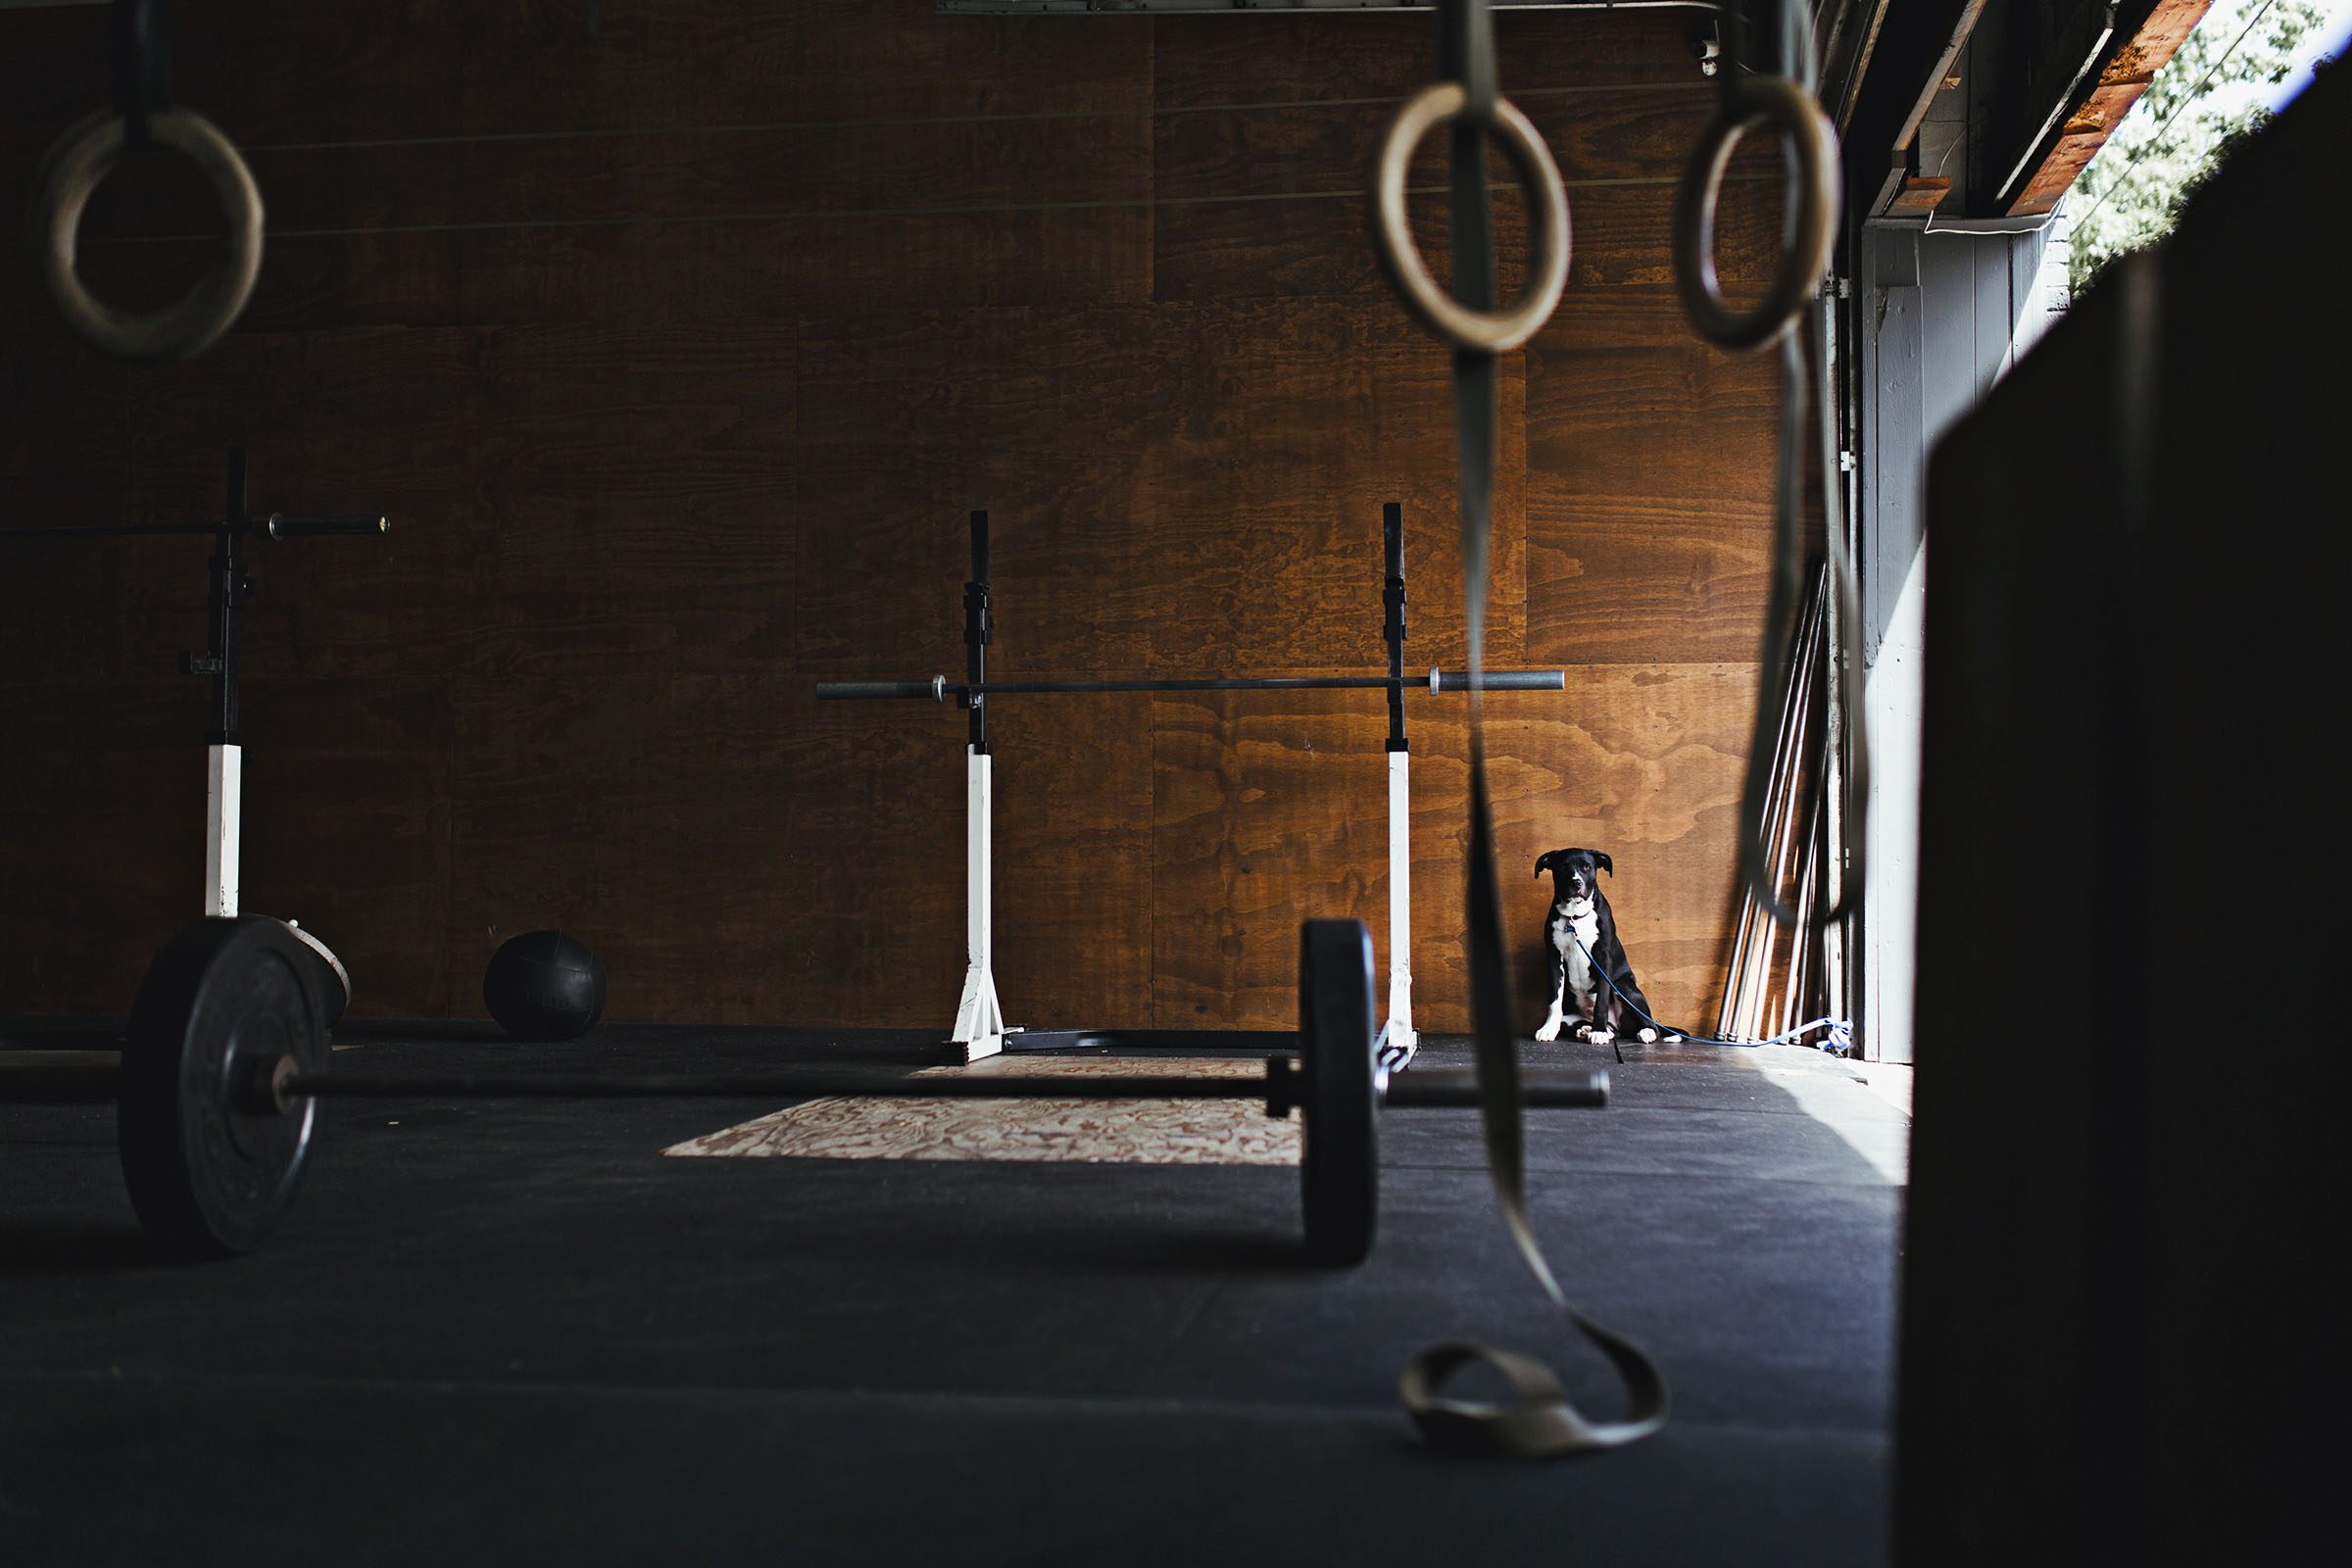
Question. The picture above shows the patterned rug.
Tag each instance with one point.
(1133, 1132)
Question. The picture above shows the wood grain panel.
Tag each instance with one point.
(653, 273)
(909, 424)
(365, 420)
(265, 74)
(1269, 809)
(1206, 60)
(1267, 510)
(736, 850)
(760, 271)
(280, 75)
(1613, 134)
(1643, 762)
(65, 447)
(1221, 523)
(1649, 491)
(58, 73)
(1621, 235)
(733, 851)
(723, 61)
(355, 281)
(702, 174)
(637, 488)
(1076, 903)
(276, 75)
(345, 828)
(658, 458)
(273, 73)
(112, 772)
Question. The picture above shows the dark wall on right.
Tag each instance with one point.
(2114, 1335)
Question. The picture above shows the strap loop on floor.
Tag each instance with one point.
(1538, 1422)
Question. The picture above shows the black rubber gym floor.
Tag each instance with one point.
(505, 1333)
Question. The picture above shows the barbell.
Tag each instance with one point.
(225, 1059)
(940, 689)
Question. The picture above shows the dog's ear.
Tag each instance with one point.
(1543, 859)
(1603, 860)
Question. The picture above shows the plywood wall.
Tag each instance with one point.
(678, 351)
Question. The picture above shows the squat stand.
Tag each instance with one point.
(980, 1028)
(229, 589)
(1397, 1038)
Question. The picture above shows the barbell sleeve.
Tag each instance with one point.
(281, 526)
(1505, 680)
(857, 691)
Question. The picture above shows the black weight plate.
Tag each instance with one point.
(209, 1176)
(1340, 1170)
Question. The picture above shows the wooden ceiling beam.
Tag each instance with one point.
(2088, 123)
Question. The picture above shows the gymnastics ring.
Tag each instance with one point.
(1485, 331)
(1793, 111)
(70, 174)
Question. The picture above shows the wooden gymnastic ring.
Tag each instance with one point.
(70, 174)
(1794, 113)
(1487, 332)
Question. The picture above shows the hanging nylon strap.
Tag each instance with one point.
(1538, 1420)
(1770, 78)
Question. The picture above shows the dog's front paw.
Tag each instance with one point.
(1601, 1037)
(1583, 1031)
(1648, 1037)
(1550, 1032)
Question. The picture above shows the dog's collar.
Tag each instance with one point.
(1568, 907)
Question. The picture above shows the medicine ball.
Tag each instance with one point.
(544, 985)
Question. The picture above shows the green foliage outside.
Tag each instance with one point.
(2200, 108)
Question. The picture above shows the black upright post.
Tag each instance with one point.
(978, 624)
(140, 47)
(230, 590)
(1393, 527)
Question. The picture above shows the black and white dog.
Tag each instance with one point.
(1580, 995)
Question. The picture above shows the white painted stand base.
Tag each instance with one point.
(224, 798)
(1398, 1037)
(980, 1028)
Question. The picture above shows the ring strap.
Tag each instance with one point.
(1793, 312)
(1782, 607)
(1539, 1421)
(1466, 54)
(139, 59)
